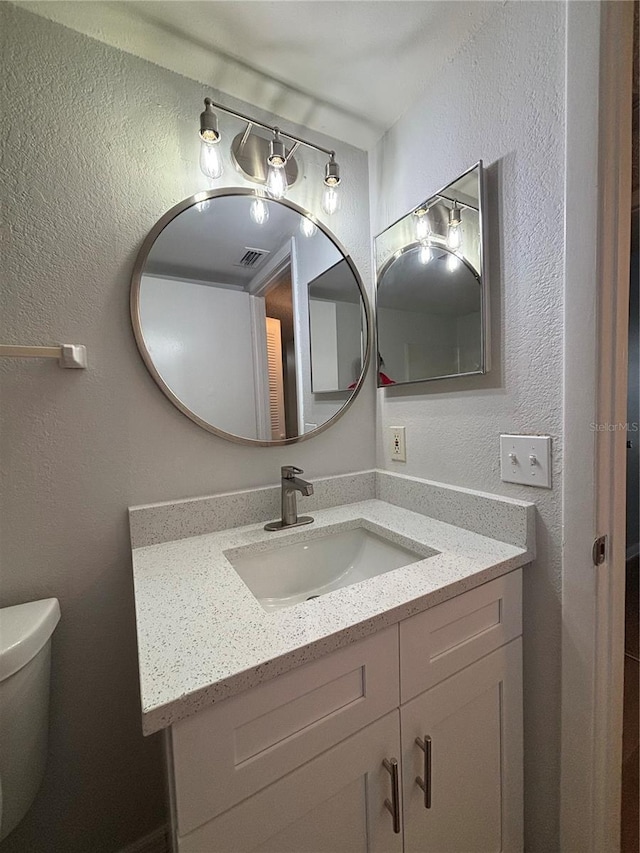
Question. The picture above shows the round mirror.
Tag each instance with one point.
(251, 317)
(428, 303)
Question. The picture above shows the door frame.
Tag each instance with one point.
(597, 250)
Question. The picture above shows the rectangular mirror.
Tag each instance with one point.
(432, 291)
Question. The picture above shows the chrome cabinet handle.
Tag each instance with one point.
(425, 783)
(393, 805)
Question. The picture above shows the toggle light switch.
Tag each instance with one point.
(526, 459)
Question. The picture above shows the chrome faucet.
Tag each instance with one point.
(291, 484)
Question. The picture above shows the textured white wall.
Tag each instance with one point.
(501, 99)
(97, 145)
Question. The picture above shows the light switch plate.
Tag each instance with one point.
(526, 459)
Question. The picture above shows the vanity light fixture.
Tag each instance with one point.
(330, 200)
(277, 183)
(332, 171)
(276, 179)
(210, 159)
(274, 168)
(454, 235)
(209, 123)
(278, 154)
(330, 196)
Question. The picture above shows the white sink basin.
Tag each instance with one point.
(288, 574)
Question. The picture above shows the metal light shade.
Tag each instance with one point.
(455, 215)
(209, 123)
(277, 152)
(332, 173)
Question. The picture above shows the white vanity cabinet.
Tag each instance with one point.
(472, 726)
(304, 763)
(333, 804)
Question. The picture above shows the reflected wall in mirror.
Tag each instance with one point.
(432, 289)
(237, 302)
(335, 331)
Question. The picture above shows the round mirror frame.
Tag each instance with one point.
(134, 302)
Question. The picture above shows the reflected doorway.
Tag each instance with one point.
(283, 392)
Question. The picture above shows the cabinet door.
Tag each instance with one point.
(473, 721)
(333, 804)
(232, 749)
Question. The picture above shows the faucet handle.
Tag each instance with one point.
(288, 472)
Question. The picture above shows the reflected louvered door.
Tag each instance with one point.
(276, 386)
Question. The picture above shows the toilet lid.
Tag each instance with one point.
(24, 630)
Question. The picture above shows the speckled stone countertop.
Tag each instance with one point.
(202, 636)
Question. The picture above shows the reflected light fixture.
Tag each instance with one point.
(307, 227)
(453, 262)
(210, 158)
(277, 172)
(423, 227)
(454, 234)
(259, 210)
(426, 253)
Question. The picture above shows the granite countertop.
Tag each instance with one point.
(203, 636)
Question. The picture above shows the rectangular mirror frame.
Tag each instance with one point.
(485, 343)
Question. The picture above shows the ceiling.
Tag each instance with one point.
(347, 68)
(206, 241)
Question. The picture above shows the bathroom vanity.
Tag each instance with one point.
(383, 715)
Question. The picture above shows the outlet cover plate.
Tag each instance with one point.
(398, 448)
(526, 459)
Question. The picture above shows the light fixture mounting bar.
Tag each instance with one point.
(293, 150)
(246, 135)
(297, 139)
(455, 201)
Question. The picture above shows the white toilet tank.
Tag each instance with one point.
(25, 662)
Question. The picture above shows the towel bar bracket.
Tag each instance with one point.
(67, 355)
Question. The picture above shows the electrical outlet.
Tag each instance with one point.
(398, 444)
